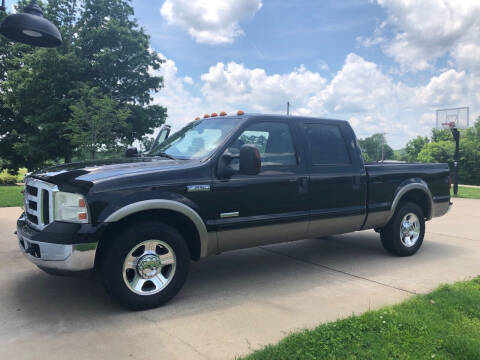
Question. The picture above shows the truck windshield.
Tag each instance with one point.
(196, 140)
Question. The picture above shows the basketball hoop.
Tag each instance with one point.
(454, 119)
(449, 125)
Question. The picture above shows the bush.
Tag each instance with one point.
(7, 179)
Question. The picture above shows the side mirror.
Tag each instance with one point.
(131, 152)
(224, 170)
(250, 161)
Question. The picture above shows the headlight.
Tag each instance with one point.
(70, 207)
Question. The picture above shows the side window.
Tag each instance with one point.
(273, 140)
(327, 145)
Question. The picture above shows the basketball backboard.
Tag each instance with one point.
(453, 118)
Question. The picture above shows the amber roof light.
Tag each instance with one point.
(223, 113)
(197, 118)
(240, 112)
(213, 115)
(206, 116)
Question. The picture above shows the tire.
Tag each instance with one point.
(146, 265)
(408, 219)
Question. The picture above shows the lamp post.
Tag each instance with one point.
(30, 27)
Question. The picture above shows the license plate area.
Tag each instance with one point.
(30, 248)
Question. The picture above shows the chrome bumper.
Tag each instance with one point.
(65, 258)
(441, 208)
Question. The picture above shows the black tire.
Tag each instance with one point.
(390, 235)
(112, 268)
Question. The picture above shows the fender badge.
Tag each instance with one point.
(194, 188)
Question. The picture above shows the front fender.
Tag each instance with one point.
(162, 204)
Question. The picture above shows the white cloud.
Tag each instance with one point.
(210, 21)
(427, 29)
(182, 106)
(233, 85)
(360, 92)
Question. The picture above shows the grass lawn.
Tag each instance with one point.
(467, 192)
(11, 196)
(444, 324)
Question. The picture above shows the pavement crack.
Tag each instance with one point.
(186, 343)
(336, 270)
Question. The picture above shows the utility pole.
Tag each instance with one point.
(288, 108)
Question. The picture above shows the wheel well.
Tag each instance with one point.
(175, 219)
(420, 198)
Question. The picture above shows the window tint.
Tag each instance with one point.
(273, 140)
(327, 145)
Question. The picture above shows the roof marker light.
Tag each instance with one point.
(223, 113)
(240, 112)
(206, 116)
(197, 118)
(213, 115)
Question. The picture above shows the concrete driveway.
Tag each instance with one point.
(231, 304)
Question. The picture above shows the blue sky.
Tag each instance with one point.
(384, 65)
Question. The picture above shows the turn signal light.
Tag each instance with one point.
(214, 114)
(240, 112)
(223, 113)
(206, 116)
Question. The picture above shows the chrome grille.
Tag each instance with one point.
(38, 201)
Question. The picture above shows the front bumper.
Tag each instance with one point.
(61, 258)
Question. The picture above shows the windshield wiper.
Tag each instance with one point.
(165, 155)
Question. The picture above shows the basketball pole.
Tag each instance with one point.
(456, 136)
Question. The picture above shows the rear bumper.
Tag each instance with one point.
(60, 258)
(441, 208)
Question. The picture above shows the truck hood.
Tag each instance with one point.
(100, 170)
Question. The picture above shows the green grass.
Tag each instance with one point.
(444, 324)
(11, 196)
(467, 192)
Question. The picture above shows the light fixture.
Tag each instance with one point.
(30, 27)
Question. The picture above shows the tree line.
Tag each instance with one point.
(438, 147)
(91, 95)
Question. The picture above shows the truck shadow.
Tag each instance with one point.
(220, 282)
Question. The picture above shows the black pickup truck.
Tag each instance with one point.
(221, 183)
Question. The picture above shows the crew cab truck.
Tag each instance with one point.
(221, 183)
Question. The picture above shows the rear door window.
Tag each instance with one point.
(327, 144)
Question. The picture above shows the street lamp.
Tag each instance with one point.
(30, 27)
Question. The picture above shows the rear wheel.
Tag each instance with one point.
(146, 265)
(404, 234)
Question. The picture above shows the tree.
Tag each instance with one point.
(97, 122)
(441, 135)
(414, 147)
(372, 148)
(442, 147)
(439, 151)
(104, 49)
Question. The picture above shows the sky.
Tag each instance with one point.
(383, 65)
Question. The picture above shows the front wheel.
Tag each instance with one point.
(404, 234)
(146, 265)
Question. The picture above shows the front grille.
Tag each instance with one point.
(38, 202)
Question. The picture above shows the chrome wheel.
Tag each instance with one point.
(149, 267)
(409, 230)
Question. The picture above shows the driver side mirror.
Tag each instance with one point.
(250, 162)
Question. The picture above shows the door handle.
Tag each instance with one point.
(303, 185)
